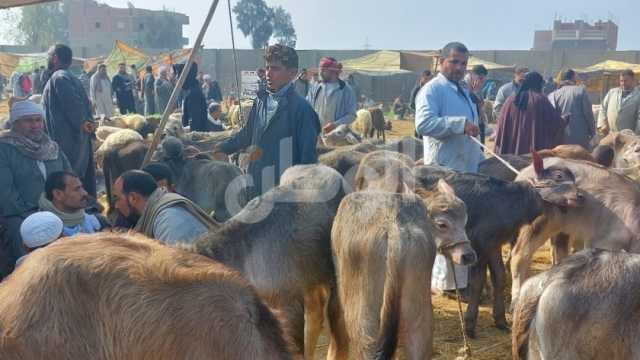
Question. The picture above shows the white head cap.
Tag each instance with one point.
(20, 109)
(40, 229)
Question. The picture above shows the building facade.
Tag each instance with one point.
(94, 27)
(602, 35)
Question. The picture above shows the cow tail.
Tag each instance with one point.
(523, 315)
(387, 340)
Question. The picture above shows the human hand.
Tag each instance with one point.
(89, 127)
(329, 127)
(604, 130)
(471, 129)
(255, 153)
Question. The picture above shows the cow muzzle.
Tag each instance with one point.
(460, 253)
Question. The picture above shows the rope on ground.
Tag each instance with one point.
(467, 347)
(503, 161)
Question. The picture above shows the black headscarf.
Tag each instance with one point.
(191, 80)
(533, 81)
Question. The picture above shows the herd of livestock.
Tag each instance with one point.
(350, 241)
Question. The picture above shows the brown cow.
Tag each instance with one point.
(384, 246)
(281, 242)
(584, 308)
(116, 296)
(609, 218)
(385, 170)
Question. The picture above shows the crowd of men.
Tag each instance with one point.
(47, 166)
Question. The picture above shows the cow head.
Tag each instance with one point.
(341, 136)
(448, 218)
(555, 184)
(626, 146)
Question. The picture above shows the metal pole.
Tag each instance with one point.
(236, 69)
(181, 80)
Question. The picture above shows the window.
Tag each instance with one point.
(120, 25)
(141, 27)
(98, 25)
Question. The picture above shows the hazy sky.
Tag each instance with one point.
(413, 24)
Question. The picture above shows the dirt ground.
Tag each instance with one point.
(490, 344)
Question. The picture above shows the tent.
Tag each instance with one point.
(601, 77)
(123, 53)
(5, 4)
(381, 63)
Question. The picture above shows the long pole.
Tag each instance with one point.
(181, 80)
(236, 69)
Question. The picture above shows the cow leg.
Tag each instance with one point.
(314, 304)
(418, 328)
(339, 343)
(477, 278)
(531, 238)
(498, 279)
(294, 315)
(560, 248)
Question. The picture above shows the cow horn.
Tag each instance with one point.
(538, 164)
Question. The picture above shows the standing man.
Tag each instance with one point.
(163, 89)
(211, 89)
(68, 116)
(27, 157)
(101, 92)
(194, 105)
(302, 84)
(123, 86)
(621, 107)
(573, 101)
(282, 128)
(509, 89)
(446, 118)
(475, 80)
(333, 99)
(148, 91)
(36, 81)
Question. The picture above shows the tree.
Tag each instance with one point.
(255, 19)
(43, 25)
(283, 30)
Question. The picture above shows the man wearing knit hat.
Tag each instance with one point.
(27, 157)
(39, 230)
(333, 99)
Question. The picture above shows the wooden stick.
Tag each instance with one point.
(181, 80)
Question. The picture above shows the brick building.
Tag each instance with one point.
(94, 27)
(578, 35)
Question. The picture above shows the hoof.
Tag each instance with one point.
(503, 326)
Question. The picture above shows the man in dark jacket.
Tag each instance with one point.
(68, 116)
(122, 84)
(211, 89)
(282, 129)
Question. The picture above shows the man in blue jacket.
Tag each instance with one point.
(282, 129)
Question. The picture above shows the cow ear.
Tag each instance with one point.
(445, 188)
(538, 164)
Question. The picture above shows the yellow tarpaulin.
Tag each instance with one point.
(8, 63)
(601, 77)
(491, 66)
(379, 63)
(123, 53)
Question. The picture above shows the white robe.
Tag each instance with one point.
(442, 277)
(102, 100)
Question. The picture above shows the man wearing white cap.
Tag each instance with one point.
(27, 157)
(39, 230)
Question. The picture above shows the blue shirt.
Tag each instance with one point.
(442, 109)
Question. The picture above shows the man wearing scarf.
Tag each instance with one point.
(27, 157)
(333, 99)
(65, 196)
(528, 121)
(282, 128)
(69, 117)
(101, 93)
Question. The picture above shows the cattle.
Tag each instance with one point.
(385, 170)
(118, 160)
(626, 148)
(117, 296)
(115, 141)
(497, 209)
(363, 123)
(281, 243)
(203, 141)
(379, 124)
(495, 168)
(409, 146)
(217, 187)
(584, 308)
(384, 246)
(609, 218)
(341, 136)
